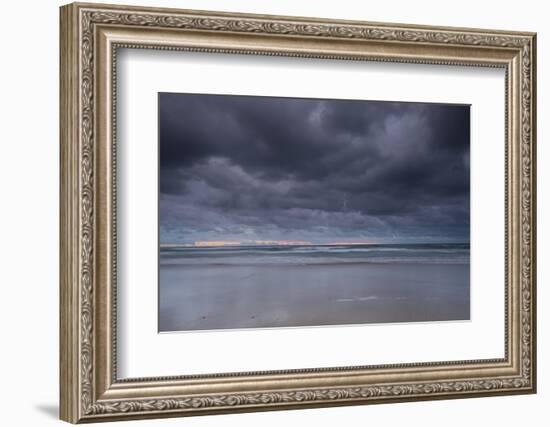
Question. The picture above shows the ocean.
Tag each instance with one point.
(236, 287)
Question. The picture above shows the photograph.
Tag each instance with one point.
(264, 211)
(293, 212)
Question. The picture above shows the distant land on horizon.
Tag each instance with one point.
(210, 244)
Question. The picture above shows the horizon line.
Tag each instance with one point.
(206, 244)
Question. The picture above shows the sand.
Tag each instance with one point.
(235, 296)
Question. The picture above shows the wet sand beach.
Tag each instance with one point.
(232, 296)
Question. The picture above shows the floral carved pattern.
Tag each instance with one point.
(86, 212)
(322, 395)
(89, 18)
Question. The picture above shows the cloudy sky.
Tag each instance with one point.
(262, 168)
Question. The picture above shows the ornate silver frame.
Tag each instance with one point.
(90, 36)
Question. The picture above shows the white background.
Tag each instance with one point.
(29, 171)
(145, 353)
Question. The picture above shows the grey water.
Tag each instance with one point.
(212, 288)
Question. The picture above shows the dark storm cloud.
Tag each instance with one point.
(236, 167)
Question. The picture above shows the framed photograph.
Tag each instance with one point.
(266, 212)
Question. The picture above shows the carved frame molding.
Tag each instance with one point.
(90, 36)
